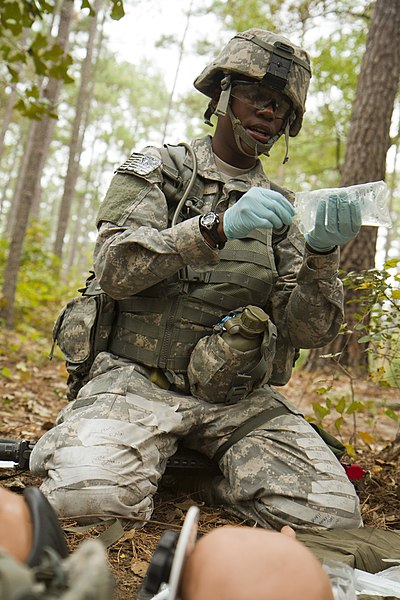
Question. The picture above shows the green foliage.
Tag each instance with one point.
(190, 110)
(117, 8)
(291, 17)
(40, 294)
(378, 319)
(131, 101)
(5, 372)
(340, 409)
(28, 53)
(378, 322)
(243, 14)
(25, 50)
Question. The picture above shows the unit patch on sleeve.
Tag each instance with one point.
(139, 164)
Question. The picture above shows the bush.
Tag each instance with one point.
(40, 292)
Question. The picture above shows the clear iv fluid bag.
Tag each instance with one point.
(373, 198)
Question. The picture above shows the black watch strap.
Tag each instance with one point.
(209, 224)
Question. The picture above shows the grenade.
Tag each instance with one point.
(244, 330)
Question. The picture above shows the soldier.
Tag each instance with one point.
(215, 291)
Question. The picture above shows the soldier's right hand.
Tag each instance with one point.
(259, 207)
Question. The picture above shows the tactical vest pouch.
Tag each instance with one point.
(81, 331)
(221, 374)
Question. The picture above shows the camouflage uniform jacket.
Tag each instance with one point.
(140, 258)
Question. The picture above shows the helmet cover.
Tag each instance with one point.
(262, 55)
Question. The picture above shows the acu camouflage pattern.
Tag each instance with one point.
(304, 297)
(72, 329)
(82, 330)
(243, 56)
(84, 575)
(109, 448)
(192, 304)
(218, 372)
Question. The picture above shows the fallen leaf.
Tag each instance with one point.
(139, 567)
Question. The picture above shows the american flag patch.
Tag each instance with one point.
(139, 164)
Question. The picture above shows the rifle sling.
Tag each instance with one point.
(253, 423)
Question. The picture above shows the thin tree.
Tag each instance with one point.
(10, 184)
(32, 176)
(365, 160)
(77, 135)
(391, 233)
(7, 116)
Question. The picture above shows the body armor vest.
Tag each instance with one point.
(161, 326)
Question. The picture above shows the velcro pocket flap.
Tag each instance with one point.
(75, 327)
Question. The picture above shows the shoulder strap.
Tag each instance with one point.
(177, 178)
(277, 236)
(172, 177)
(282, 190)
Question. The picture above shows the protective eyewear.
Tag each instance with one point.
(260, 97)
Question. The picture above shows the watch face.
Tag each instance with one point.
(208, 220)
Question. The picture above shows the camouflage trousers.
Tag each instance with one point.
(84, 575)
(109, 448)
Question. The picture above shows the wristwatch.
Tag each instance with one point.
(209, 224)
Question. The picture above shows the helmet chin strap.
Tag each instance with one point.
(241, 135)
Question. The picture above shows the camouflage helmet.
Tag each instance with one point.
(267, 56)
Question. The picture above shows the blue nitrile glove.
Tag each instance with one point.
(337, 221)
(257, 208)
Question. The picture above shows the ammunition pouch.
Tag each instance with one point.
(82, 331)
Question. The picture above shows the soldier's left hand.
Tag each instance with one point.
(337, 221)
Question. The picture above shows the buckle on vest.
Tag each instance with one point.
(237, 392)
(189, 275)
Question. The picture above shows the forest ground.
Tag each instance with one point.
(32, 391)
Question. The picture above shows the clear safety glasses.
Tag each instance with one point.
(260, 97)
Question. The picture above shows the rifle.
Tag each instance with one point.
(16, 453)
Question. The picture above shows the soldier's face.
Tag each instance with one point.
(261, 120)
(260, 123)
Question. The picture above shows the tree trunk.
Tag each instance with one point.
(23, 164)
(85, 213)
(46, 141)
(11, 97)
(365, 160)
(8, 112)
(32, 176)
(74, 241)
(9, 184)
(77, 136)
